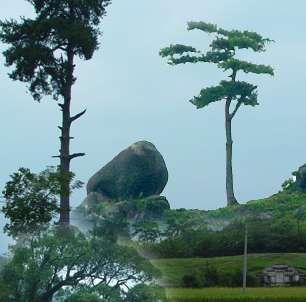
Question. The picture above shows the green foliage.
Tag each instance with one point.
(265, 235)
(236, 295)
(222, 52)
(229, 269)
(192, 281)
(232, 39)
(39, 48)
(32, 199)
(289, 185)
(149, 207)
(279, 205)
(181, 221)
(65, 259)
(42, 52)
(176, 49)
(85, 293)
(147, 231)
(246, 67)
(241, 91)
(84, 297)
(145, 293)
(276, 224)
(133, 218)
(206, 27)
(212, 275)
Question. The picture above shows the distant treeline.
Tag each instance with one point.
(286, 235)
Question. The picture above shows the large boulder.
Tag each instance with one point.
(137, 172)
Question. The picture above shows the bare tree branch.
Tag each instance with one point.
(72, 156)
(73, 118)
(238, 105)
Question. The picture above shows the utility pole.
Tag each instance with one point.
(245, 258)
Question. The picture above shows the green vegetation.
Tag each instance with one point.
(237, 295)
(63, 264)
(32, 199)
(43, 52)
(279, 205)
(223, 52)
(276, 225)
(173, 270)
(57, 262)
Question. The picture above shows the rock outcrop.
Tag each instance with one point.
(149, 208)
(137, 172)
(301, 178)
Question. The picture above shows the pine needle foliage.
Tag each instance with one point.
(223, 53)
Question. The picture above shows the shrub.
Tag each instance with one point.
(211, 276)
(192, 281)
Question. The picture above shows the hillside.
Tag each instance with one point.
(173, 270)
(278, 206)
(276, 224)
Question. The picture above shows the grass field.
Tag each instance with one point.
(173, 270)
(237, 295)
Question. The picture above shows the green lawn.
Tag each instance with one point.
(173, 270)
(237, 295)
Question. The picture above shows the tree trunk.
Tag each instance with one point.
(65, 143)
(65, 164)
(65, 156)
(231, 199)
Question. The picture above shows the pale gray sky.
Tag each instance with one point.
(132, 94)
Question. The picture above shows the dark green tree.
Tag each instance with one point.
(31, 200)
(43, 52)
(145, 293)
(222, 52)
(64, 264)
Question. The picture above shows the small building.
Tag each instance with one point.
(281, 275)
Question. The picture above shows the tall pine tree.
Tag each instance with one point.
(222, 52)
(43, 52)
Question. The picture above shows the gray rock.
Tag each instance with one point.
(137, 172)
(301, 178)
(153, 207)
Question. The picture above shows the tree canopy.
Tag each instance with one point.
(43, 52)
(38, 47)
(31, 200)
(64, 263)
(222, 52)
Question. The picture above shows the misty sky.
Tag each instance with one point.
(131, 94)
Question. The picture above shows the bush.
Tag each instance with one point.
(192, 281)
(145, 293)
(235, 279)
(209, 276)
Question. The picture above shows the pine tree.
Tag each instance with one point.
(43, 52)
(222, 52)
